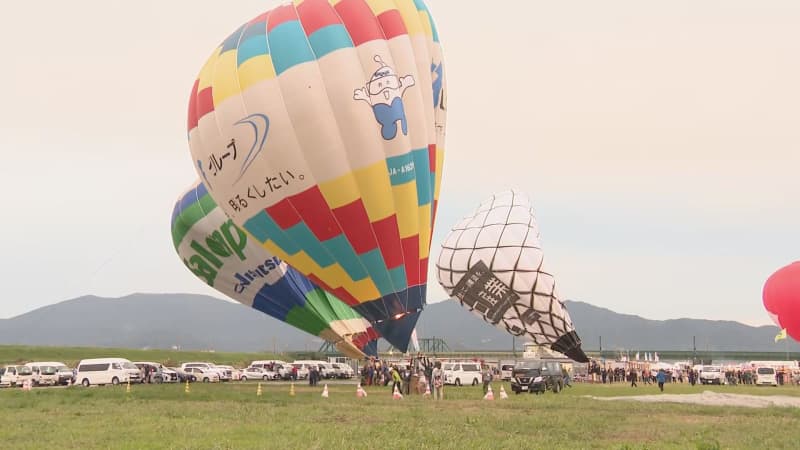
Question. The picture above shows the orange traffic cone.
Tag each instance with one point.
(325, 391)
(291, 390)
(258, 391)
(489, 394)
(503, 394)
(396, 394)
(360, 392)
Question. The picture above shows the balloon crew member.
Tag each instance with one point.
(438, 381)
(486, 377)
(397, 380)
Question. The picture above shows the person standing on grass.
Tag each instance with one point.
(661, 377)
(633, 376)
(486, 377)
(397, 379)
(438, 381)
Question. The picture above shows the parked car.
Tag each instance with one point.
(15, 376)
(766, 376)
(158, 373)
(302, 369)
(222, 374)
(101, 371)
(343, 370)
(506, 370)
(182, 375)
(258, 373)
(331, 371)
(536, 377)
(44, 374)
(204, 374)
(712, 375)
(463, 373)
(65, 374)
(232, 372)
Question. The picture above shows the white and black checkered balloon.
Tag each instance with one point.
(492, 262)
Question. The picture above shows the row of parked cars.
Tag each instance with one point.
(102, 371)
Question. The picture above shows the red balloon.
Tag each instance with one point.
(782, 298)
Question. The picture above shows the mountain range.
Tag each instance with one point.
(200, 322)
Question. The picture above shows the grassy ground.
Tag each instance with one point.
(232, 416)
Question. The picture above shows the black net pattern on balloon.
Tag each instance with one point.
(536, 311)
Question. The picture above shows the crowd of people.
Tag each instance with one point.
(422, 375)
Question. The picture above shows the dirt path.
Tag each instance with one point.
(710, 398)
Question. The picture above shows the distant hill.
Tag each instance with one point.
(199, 322)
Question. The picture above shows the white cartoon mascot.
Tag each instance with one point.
(384, 92)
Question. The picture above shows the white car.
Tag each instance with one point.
(343, 370)
(258, 373)
(234, 373)
(506, 370)
(712, 375)
(302, 369)
(222, 374)
(204, 374)
(459, 374)
(326, 370)
(765, 376)
(15, 375)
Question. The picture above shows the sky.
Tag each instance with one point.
(659, 142)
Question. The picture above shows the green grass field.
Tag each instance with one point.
(232, 416)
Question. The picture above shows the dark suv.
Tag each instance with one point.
(537, 377)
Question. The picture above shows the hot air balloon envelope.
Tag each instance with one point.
(319, 128)
(492, 263)
(781, 298)
(227, 259)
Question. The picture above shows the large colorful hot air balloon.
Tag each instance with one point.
(782, 298)
(224, 257)
(492, 263)
(318, 127)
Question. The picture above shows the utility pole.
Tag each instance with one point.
(601, 347)
(514, 345)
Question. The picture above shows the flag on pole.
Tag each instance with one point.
(637, 356)
(781, 335)
(655, 357)
(414, 340)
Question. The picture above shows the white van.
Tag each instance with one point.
(44, 373)
(463, 373)
(506, 370)
(102, 371)
(765, 376)
(15, 375)
(712, 375)
(64, 373)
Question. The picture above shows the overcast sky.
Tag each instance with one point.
(658, 140)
